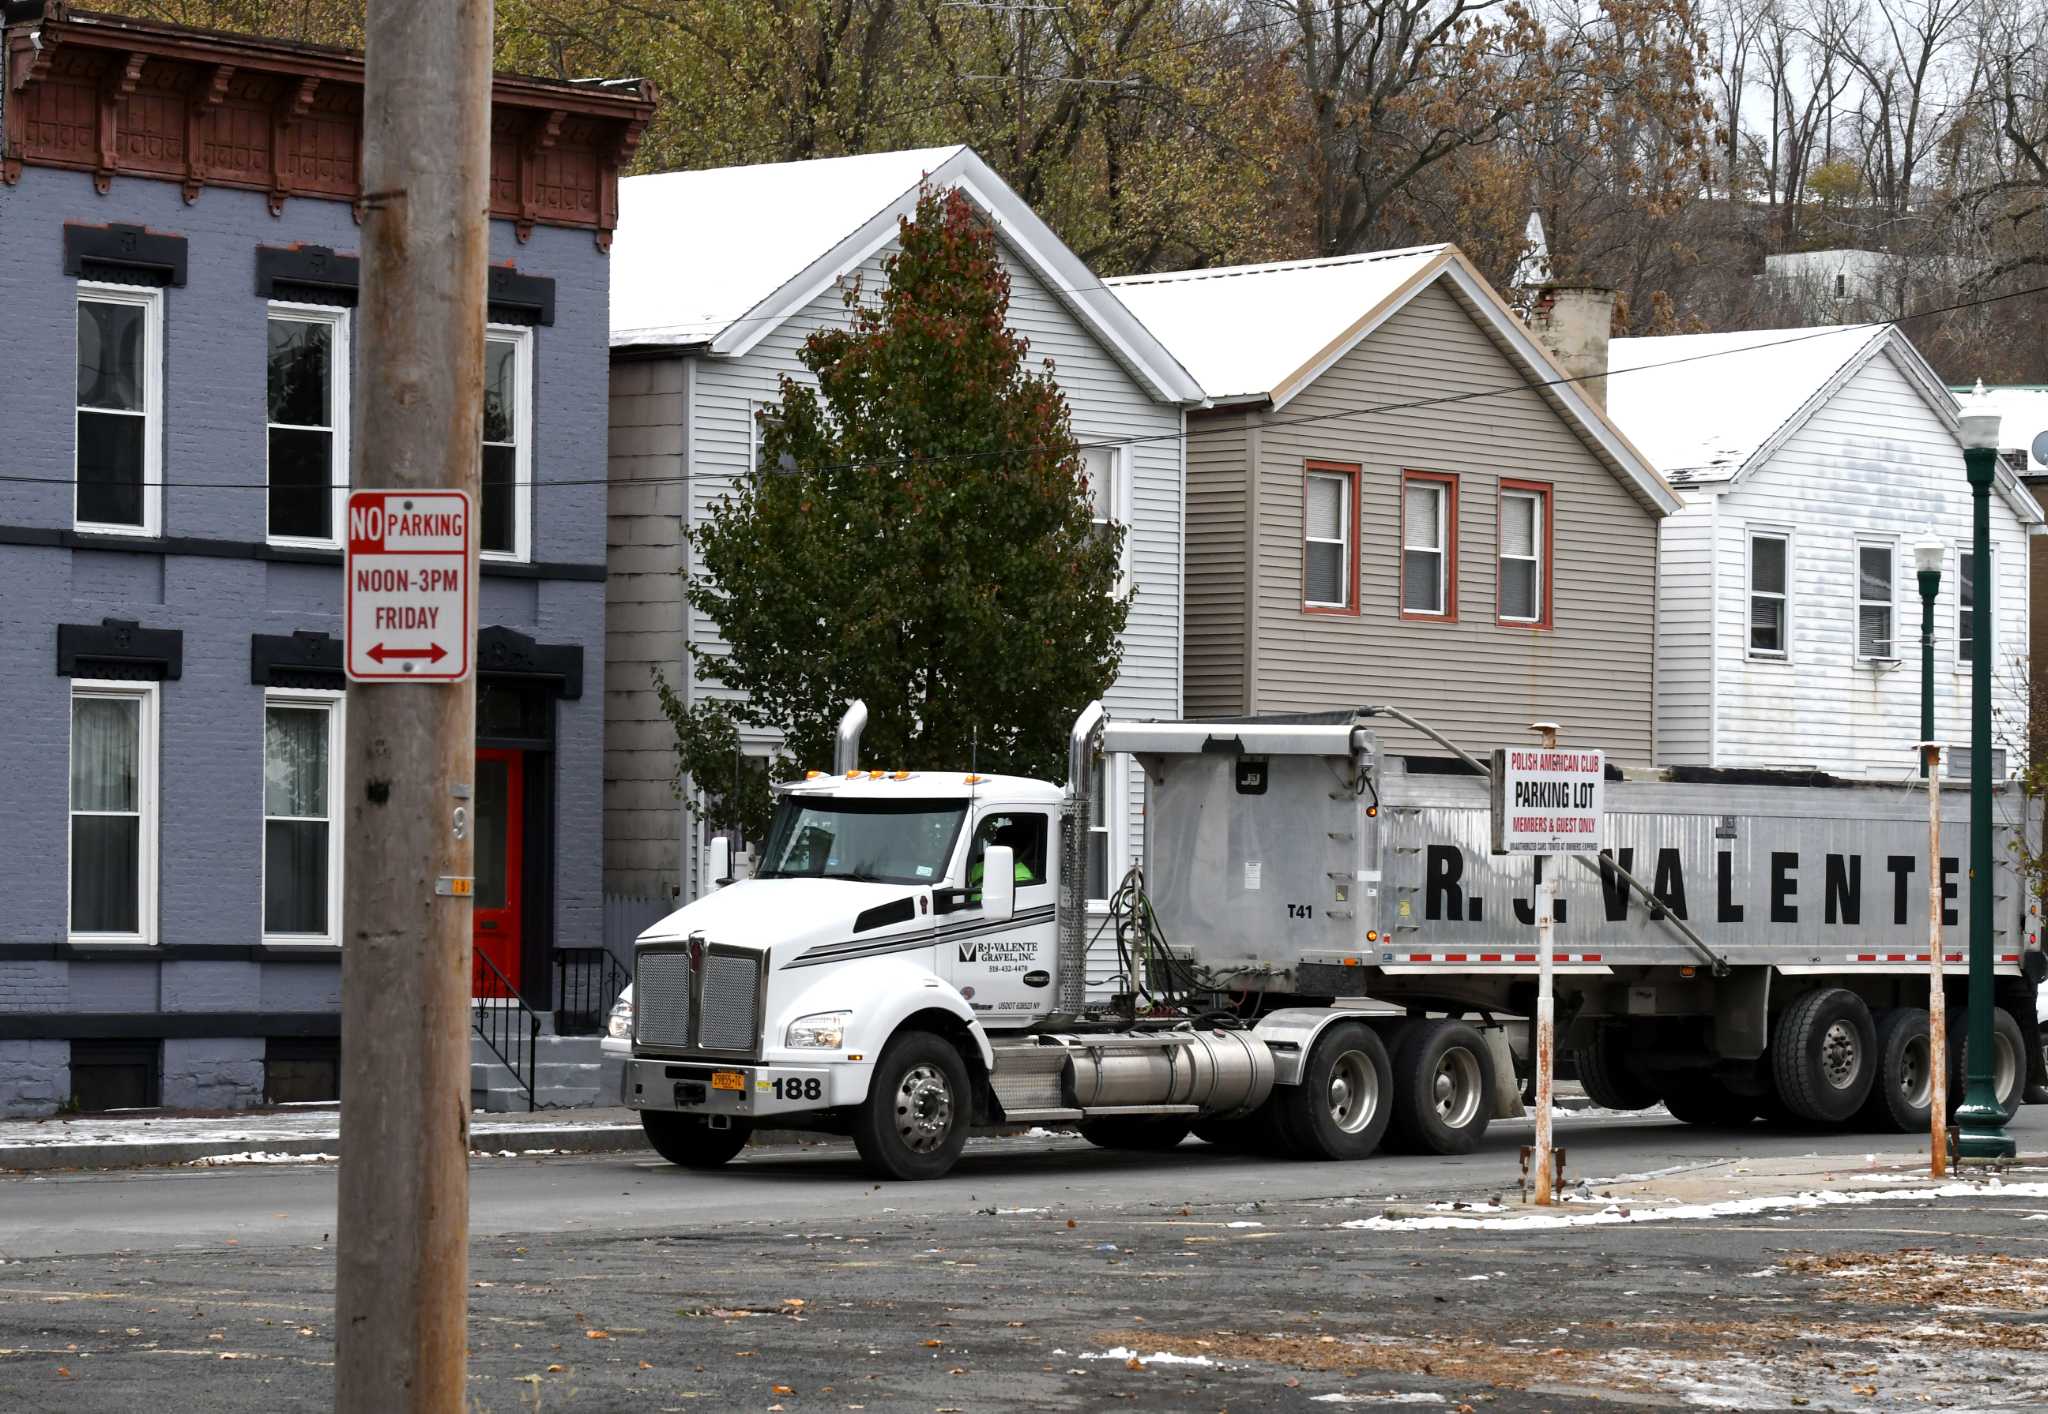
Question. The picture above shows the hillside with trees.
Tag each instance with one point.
(1671, 149)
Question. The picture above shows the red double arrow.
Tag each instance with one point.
(433, 655)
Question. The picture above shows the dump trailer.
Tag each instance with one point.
(1318, 952)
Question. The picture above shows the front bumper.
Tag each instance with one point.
(742, 1090)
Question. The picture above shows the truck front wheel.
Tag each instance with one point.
(1341, 1107)
(688, 1140)
(914, 1121)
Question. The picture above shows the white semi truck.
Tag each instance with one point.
(1318, 951)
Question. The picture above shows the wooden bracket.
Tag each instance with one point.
(298, 102)
(541, 137)
(198, 113)
(108, 154)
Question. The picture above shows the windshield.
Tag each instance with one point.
(878, 841)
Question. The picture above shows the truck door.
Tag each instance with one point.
(1004, 970)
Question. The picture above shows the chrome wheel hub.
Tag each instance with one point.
(1841, 1059)
(1455, 1087)
(924, 1109)
(1916, 1080)
(1354, 1092)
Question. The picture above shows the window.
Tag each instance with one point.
(1101, 467)
(1103, 808)
(1524, 553)
(1966, 606)
(765, 418)
(113, 811)
(301, 846)
(508, 435)
(1329, 521)
(1874, 602)
(1025, 832)
(1429, 537)
(307, 376)
(119, 437)
(1769, 566)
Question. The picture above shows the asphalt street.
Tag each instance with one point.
(617, 1282)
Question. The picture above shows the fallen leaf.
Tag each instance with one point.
(1291, 1382)
(781, 1389)
(1134, 1363)
(933, 1344)
(956, 1370)
(794, 1301)
(745, 1354)
(1072, 1223)
(556, 1369)
(597, 1335)
(63, 1372)
(645, 1366)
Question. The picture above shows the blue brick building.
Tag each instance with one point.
(178, 211)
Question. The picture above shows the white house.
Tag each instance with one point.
(718, 278)
(1812, 462)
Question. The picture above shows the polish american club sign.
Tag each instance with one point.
(1547, 800)
(409, 597)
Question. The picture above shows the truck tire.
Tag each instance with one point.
(1824, 1055)
(1902, 1097)
(1609, 1075)
(1443, 1088)
(1697, 1097)
(1342, 1106)
(1148, 1133)
(913, 1124)
(2008, 1061)
(687, 1140)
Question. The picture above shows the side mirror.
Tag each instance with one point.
(721, 862)
(998, 884)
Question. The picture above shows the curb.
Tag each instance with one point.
(567, 1139)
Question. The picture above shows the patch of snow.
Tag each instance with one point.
(1244, 1224)
(1614, 1214)
(1413, 1397)
(1158, 1357)
(253, 1156)
(1477, 1276)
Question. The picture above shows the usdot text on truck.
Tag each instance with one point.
(1319, 952)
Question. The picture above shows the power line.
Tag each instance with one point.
(1111, 444)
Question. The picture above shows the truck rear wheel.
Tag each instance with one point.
(914, 1121)
(1823, 1055)
(690, 1141)
(1443, 1088)
(2008, 1061)
(1609, 1075)
(1903, 1094)
(1342, 1106)
(1150, 1133)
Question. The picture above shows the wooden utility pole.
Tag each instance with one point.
(403, 1225)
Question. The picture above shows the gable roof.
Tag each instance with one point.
(1263, 333)
(713, 261)
(1712, 408)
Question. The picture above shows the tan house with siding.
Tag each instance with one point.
(1399, 495)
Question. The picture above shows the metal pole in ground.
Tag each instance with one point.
(1937, 993)
(1546, 1005)
(403, 1220)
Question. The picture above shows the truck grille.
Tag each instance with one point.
(729, 1018)
(661, 999)
(720, 1012)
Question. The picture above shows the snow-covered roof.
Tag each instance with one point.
(713, 261)
(1701, 406)
(1711, 408)
(1263, 333)
(1246, 331)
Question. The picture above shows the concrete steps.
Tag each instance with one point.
(568, 1073)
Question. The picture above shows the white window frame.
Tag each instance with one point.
(1119, 503)
(1442, 489)
(1116, 782)
(339, 359)
(1347, 491)
(151, 302)
(1539, 523)
(1750, 535)
(521, 337)
(1989, 594)
(1891, 548)
(147, 766)
(337, 745)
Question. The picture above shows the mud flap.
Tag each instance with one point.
(1742, 1013)
(1507, 1091)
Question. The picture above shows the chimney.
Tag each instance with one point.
(1573, 322)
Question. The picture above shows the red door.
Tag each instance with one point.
(500, 832)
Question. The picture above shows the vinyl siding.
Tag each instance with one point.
(1106, 404)
(1685, 588)
(1478, 681)
(1214, 658)
(1875, 462)
(645, 558)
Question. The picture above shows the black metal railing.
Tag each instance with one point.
(587, 982)
(508, 1025)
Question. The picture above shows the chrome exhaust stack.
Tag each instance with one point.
(1070, 998)
(846, 747)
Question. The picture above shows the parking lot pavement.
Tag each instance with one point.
(1047, 1275)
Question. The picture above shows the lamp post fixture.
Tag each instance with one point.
(1981, 1120)
(1927, 559)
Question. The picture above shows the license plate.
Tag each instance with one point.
(728, 1080)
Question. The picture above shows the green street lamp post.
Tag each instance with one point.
(1927, 559)
(1981, 1120)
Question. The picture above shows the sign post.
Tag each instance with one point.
(1546, 800)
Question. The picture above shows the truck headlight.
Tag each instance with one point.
(824, 1030)
(619, 1026)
